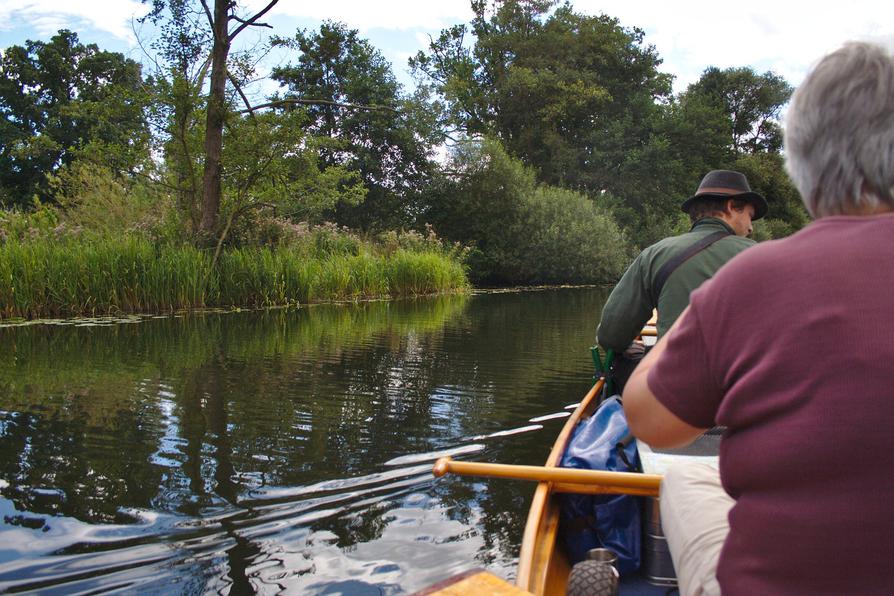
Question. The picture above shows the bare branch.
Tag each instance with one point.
(326, 102)
(252, 20)
(208, 14)
(241, 94)
(448, 136)
(143, 49)
(241, 20)
(202, 72)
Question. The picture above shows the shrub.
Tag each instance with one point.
(21, 226)
(523, 232)
(93, 199)
(413, 241)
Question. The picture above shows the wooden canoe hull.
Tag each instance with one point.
(543, 567)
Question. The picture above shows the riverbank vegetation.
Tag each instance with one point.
(539, 145)
(58, 270)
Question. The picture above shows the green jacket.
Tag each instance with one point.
(629, 307)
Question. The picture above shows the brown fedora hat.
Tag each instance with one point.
(727, 184)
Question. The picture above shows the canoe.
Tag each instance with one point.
(544, 567)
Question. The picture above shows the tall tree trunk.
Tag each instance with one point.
(215, 120)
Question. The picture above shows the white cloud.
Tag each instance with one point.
(113, 17)
(365, 15)
(786, 37)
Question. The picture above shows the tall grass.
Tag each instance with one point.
(46, 276)
(423, 273)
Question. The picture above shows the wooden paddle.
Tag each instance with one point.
(565, 480)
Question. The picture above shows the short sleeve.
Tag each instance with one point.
(682, 379)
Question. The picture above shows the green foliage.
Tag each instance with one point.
(183, 39)
(581, 100)
(766, 174)
(412, 273)
(269, 159)
(20, 226)
(571, 95)
(413, 241)
(175, 114)
(330, 239)
(524, 232)
(572, 238)
(570, 101)
(55, 272)
(61, 100)
(378, 132)
(770, 229)
(727, 120)
(70, 275)
(698, 139)
(92, 199)
(178, 112)
(750, 102)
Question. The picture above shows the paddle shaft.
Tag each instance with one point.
(564, 479)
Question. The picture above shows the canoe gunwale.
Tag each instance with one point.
(538, 554)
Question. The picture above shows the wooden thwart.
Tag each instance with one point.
(567, 480)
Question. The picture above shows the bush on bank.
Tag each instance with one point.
(524, 232)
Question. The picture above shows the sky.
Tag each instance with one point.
(785, 37)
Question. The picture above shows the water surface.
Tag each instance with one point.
(281, 450)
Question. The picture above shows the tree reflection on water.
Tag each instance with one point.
(248, 450)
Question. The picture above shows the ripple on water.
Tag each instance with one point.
(509, 432)
(282, 452)
(546, 417)
(413, 458)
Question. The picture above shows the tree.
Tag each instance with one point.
(267, 159)
(578, 98)
(571, 95)
(219, 18)
(178, 105)
(751, 102)
(766, 175)
(730, 119)
(523, 232)
(352, 98)
(272, 162)
(60, 100)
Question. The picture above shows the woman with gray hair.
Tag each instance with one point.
(782, 347)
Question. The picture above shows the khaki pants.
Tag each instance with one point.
(694, 509)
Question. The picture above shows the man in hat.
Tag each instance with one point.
(664, 274)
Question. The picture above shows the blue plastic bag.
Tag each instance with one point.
(609, 521)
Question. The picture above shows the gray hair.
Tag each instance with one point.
(839, 132)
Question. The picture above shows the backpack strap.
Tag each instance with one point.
(681, 257)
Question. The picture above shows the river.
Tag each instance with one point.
(284, 450)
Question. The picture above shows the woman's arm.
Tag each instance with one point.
(648, 418)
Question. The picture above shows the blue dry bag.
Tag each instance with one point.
(609, 521)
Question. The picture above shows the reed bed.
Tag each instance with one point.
(47, 277)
